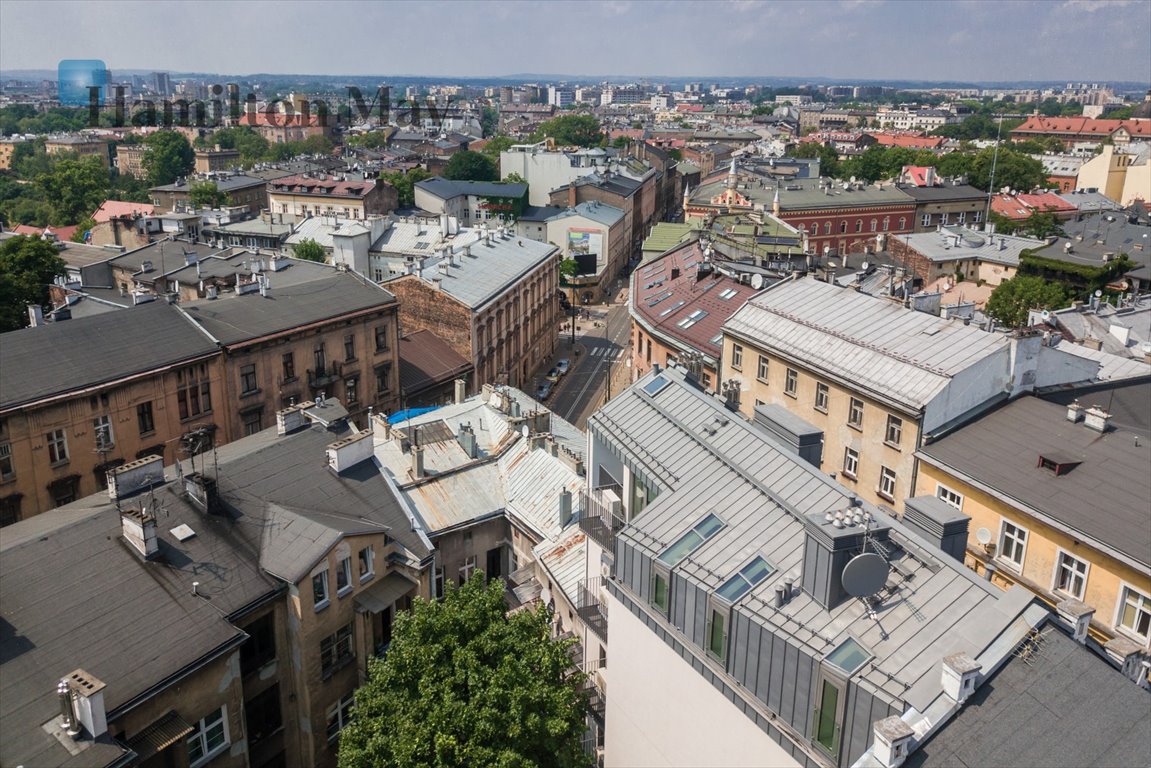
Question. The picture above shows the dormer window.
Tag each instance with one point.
(1059, 464)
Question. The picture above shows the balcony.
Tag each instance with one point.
(590, 608)
(592, 686)
(322, 377)
(601, 516)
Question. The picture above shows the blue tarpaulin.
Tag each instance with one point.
(410, 413)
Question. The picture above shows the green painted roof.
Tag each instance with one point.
(665, 236)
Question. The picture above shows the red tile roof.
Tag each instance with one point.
(908, 140)
(1021, 206)
(118, 209)
(324, 187)
(60, 233)
(279, 120)
(667, 292)
(1083, 126)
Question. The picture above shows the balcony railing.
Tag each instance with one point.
(601, 516)
(589, 607)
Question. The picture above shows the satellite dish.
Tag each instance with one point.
(757, 281)
(1045, 314)
(525, 430)
(983, 536)
(1098, 293)
(864, 266)
(864, 575)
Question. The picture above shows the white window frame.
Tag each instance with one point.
(341, 712)
(57, 442)
(853, 472)
(822, 393)
(366, 573)
(791, 382)
(467, 568)
(1121, 602)
(7, 463)
(102, 425)
(942, 492)
(1000, 550)
(898, 429)
(856, 424)
(324, 602)
(736, 356)
(1060, 555)
(200, 735)
(887, 475)
(926, 221)
(764, 367)
(344, 566)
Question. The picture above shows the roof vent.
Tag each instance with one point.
(88, 693)
(1058, 463)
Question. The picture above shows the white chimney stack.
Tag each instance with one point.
(1078, 615)
(345, 454)
(461, 390)
(139, 528)
(1074, 412)
(89, 696)
(1097, 419)
(960, 673)
(892, 741)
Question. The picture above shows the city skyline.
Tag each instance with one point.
(957, 42)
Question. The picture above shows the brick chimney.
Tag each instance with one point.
(572, 196)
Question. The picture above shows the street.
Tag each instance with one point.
(601, 350)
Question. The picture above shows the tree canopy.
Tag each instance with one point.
(169, 157)
(405, 184)
(465, 684)
(828, 157)
(74, 188)
(27, 267)
(206, 194)
(497, 144)
(471, 166)
(309, 250)
(577, 130)
(1012, 299)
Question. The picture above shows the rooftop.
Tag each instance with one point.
(955, 243)
(225, 182)
(115, 209)
(321, 186)
(1001, 451)
(446, 189)
(427, 360)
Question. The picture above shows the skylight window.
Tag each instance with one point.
(691, 541)
(656, 385)
(672, 308)
(849, 656)
(716, 339)
(727, 293)
(692, 319)
(748, 577)
(658, 299)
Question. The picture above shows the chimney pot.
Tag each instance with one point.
(960, 673)
(892, 741)
(1078, 615)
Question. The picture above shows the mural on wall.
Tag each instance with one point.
(586, 247)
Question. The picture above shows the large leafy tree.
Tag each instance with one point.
(74, 187)
(578, 130)
(1012, 169)
(27, 266)
(309, 250)
(169, 156)
(1013, 299)
(471, 166)
(465, 684)
(206, 194)
(405, 184)
(828, 157)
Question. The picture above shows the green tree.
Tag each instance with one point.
(370, 139)
(514, 178)
(205, 194)
(471, 166)
(309, 250)
(489, 121)
(1012, 169)
(465, 684)
(569, 268)
(620, 142)
(828, 157)
(27, 266)
(169, 156)
(74, 188)
(577, 130)
(82, 229)
(1013, 299)
(405, 184)
(496, 145)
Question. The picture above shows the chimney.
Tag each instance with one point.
(1129, 657)
(1097, 419)
(35, 316)
(892, 741)
(139, 528)
(960, 673)
(135, 475)
(831, 540)
(88, 693)
(68, 720)
(345, 454)
(1078, 615)
(565, 507)
(461, 392)
(1074, 412)
(290, 419)
(572, 196)
(201, 491)
(571, 460)
(939, 523)
(418, 462)
(467, 438)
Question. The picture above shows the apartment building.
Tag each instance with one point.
(471, 203)
(491, 296)
(130, 160)
(252, 593)
(875, 379)
(635, 195)
(305, 195)
(216, 159)
(1072, 130)
(545, 168)
(85, 146)
(593, 234)
(1123, 174)
(243, 191)
(1033, 477)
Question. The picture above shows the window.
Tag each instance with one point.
(736, 357)
(193, 392)
(1070, 575)
(339, 715)
(262, 715)
(1135, 612)
(821, 397)
(289, 364)
(859, 225)
(10, 509)
(945, 494)
(826, 721)
(102, 432)
(944, 218)
(855, 413)
(468, 567)
(252, 420)
(383, 379)
(320, 590)
(926, 220)
(366, 566)
(887, 483)
(1012, 544)
(144, 418)
(7, 468)
(352, 390)
(874, 224)
(761, 373)
(827, 227)
(319, 359)
(349, 348)
(745, 579)
(894, 433)
(903, 222)
(977, 216)
(336, 651)
(659, 589)
(248, 379)
(962, 217)
(886, 223)
(717, 632)
(438, 582)
(692, 540)
(57, 446)
(851, 463)
(381, 338)
(842, 227)
(848, 656)
(791, 382)
(65, 490)
(343, 576)
(260, 647)
(209, 737)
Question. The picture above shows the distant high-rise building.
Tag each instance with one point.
(161, 83)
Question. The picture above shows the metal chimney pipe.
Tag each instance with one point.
(68, 720)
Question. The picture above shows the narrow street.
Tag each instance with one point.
(601, 349)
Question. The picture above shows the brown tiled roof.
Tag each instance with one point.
(426, 360)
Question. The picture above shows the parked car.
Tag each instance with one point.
(543, 391)
(553, 375)
(562, 366)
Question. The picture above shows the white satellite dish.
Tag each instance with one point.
(757, 281)
(525, 430)
(1045, 314)
(983, 536)
(864, 575)
(1098, 293)
(864, 266)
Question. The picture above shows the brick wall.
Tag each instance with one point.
(424, 308)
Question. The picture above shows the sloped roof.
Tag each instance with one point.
(427, 360)
(446, 189)
(1094, 126)
(116, 209)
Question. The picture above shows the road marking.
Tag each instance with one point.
(597, 351)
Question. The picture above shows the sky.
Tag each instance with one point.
(958, 40)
